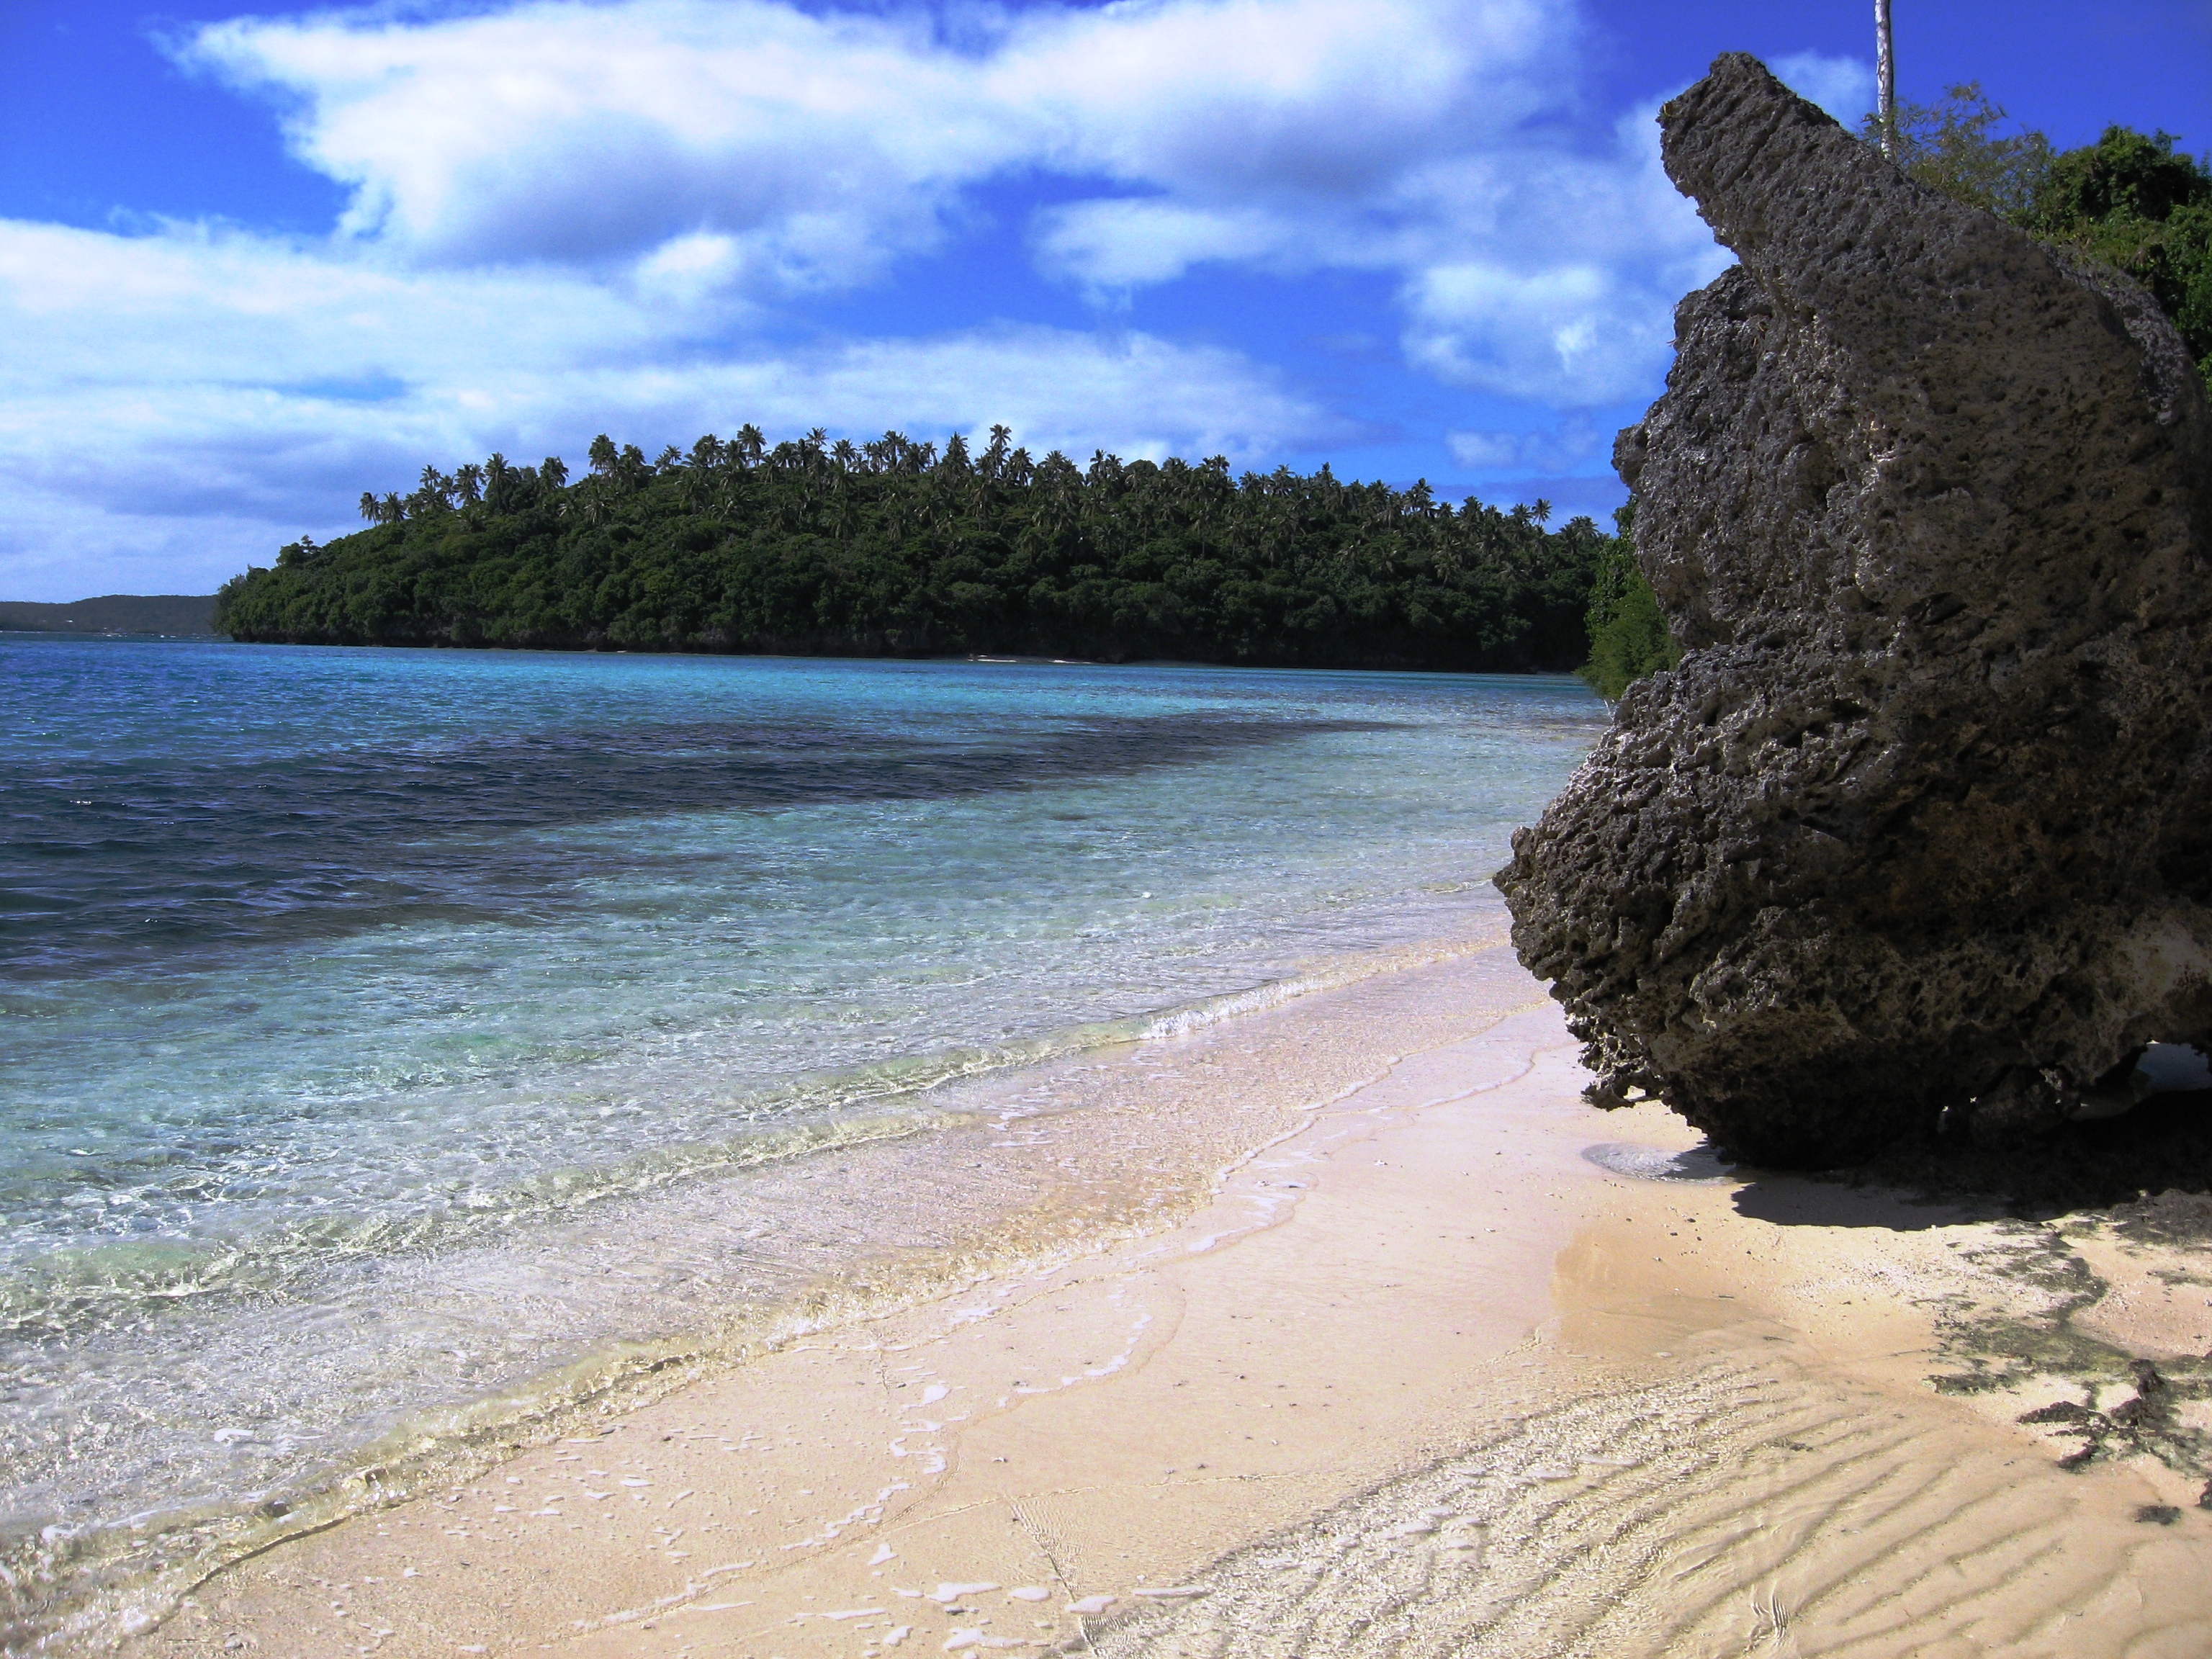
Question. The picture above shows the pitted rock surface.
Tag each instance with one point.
(1924, 819)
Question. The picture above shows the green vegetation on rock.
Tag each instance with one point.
(893, 548)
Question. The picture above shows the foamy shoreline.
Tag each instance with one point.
(1417, 1376)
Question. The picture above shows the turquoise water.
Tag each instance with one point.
(339, 989)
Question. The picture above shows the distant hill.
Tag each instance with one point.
(114, 613)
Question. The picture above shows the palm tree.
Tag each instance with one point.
(1885, 79)
(698, 483)
(369, 510)
(587, 501)
(468, 484)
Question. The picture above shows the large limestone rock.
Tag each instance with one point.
(1923, 821)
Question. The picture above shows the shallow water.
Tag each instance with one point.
(342, 993)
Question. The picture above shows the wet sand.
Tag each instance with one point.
(1416, 1376)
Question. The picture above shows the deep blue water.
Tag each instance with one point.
(316, 963)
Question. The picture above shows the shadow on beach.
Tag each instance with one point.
(2162, 1149)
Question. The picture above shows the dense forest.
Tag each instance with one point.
(895, 547)
(1628, 636)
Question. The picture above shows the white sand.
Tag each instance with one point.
(1418, 1378)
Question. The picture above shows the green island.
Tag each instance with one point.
(896, 547)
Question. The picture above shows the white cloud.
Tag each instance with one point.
(822, 145)
(752, 147)
(195, 399)
(1841, 86)
(1234, 98)
(1569, 334)
(1553, 278)
(567, 215)
(589, 133)
(1510, 453)
(1119, 244)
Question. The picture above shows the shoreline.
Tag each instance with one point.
(1503, 1398)
(508, 1099)
(1053, 1158)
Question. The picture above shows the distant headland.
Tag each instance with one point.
(896, 548)
(113, 613)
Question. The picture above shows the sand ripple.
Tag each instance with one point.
(1734, 1512)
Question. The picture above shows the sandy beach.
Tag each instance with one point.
(843, 832)
(1414, 1372)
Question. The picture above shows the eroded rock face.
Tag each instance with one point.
(1924, 818)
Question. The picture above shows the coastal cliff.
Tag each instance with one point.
(1922, 824)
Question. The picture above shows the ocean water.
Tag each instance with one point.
(381, 1031)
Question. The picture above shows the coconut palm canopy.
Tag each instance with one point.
(898, 546)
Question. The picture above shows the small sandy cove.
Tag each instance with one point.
(1419, 1378)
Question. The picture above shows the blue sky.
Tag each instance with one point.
(253, 264)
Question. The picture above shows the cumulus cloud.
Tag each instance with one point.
(196, 398)
(819, 146)
(759, 150)
(1298, 98)
(566, 216)
(1112, 245)
(1512, 454)
(588, 133)
(1553, 278)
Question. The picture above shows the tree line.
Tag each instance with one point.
(898, 547)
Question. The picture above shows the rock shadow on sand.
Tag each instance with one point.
(2111, 1166)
